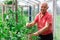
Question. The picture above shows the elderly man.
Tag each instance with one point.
(44, 23)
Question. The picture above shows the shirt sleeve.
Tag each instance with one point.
(36, 19)
(49, 19)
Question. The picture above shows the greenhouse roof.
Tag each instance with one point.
(29, 2)
(25, 2)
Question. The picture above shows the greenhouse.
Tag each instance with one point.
(15, 14)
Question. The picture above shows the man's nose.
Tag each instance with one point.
(42, 8)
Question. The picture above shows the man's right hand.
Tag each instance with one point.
(28, 24)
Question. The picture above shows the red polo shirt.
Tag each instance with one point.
(41, 21)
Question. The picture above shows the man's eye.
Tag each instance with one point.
(43, 7)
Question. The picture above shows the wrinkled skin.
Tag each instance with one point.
(44, 7)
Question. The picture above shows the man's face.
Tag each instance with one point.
(44, 8)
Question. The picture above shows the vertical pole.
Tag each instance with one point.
(16, 11)
(13, 5)
(13, 9)
(33, 12)
(38, 8)
(3, 9)
(30, 8)
(54, 16)
(22, 10)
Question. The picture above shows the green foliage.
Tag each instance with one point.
(9, 2)
(10, 30)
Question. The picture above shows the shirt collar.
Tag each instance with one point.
(41, 15)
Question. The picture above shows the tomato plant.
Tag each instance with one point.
(10, 30)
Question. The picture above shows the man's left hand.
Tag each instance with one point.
(35, 34)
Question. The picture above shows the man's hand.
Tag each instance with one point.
(28, 25)
(35, 34)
